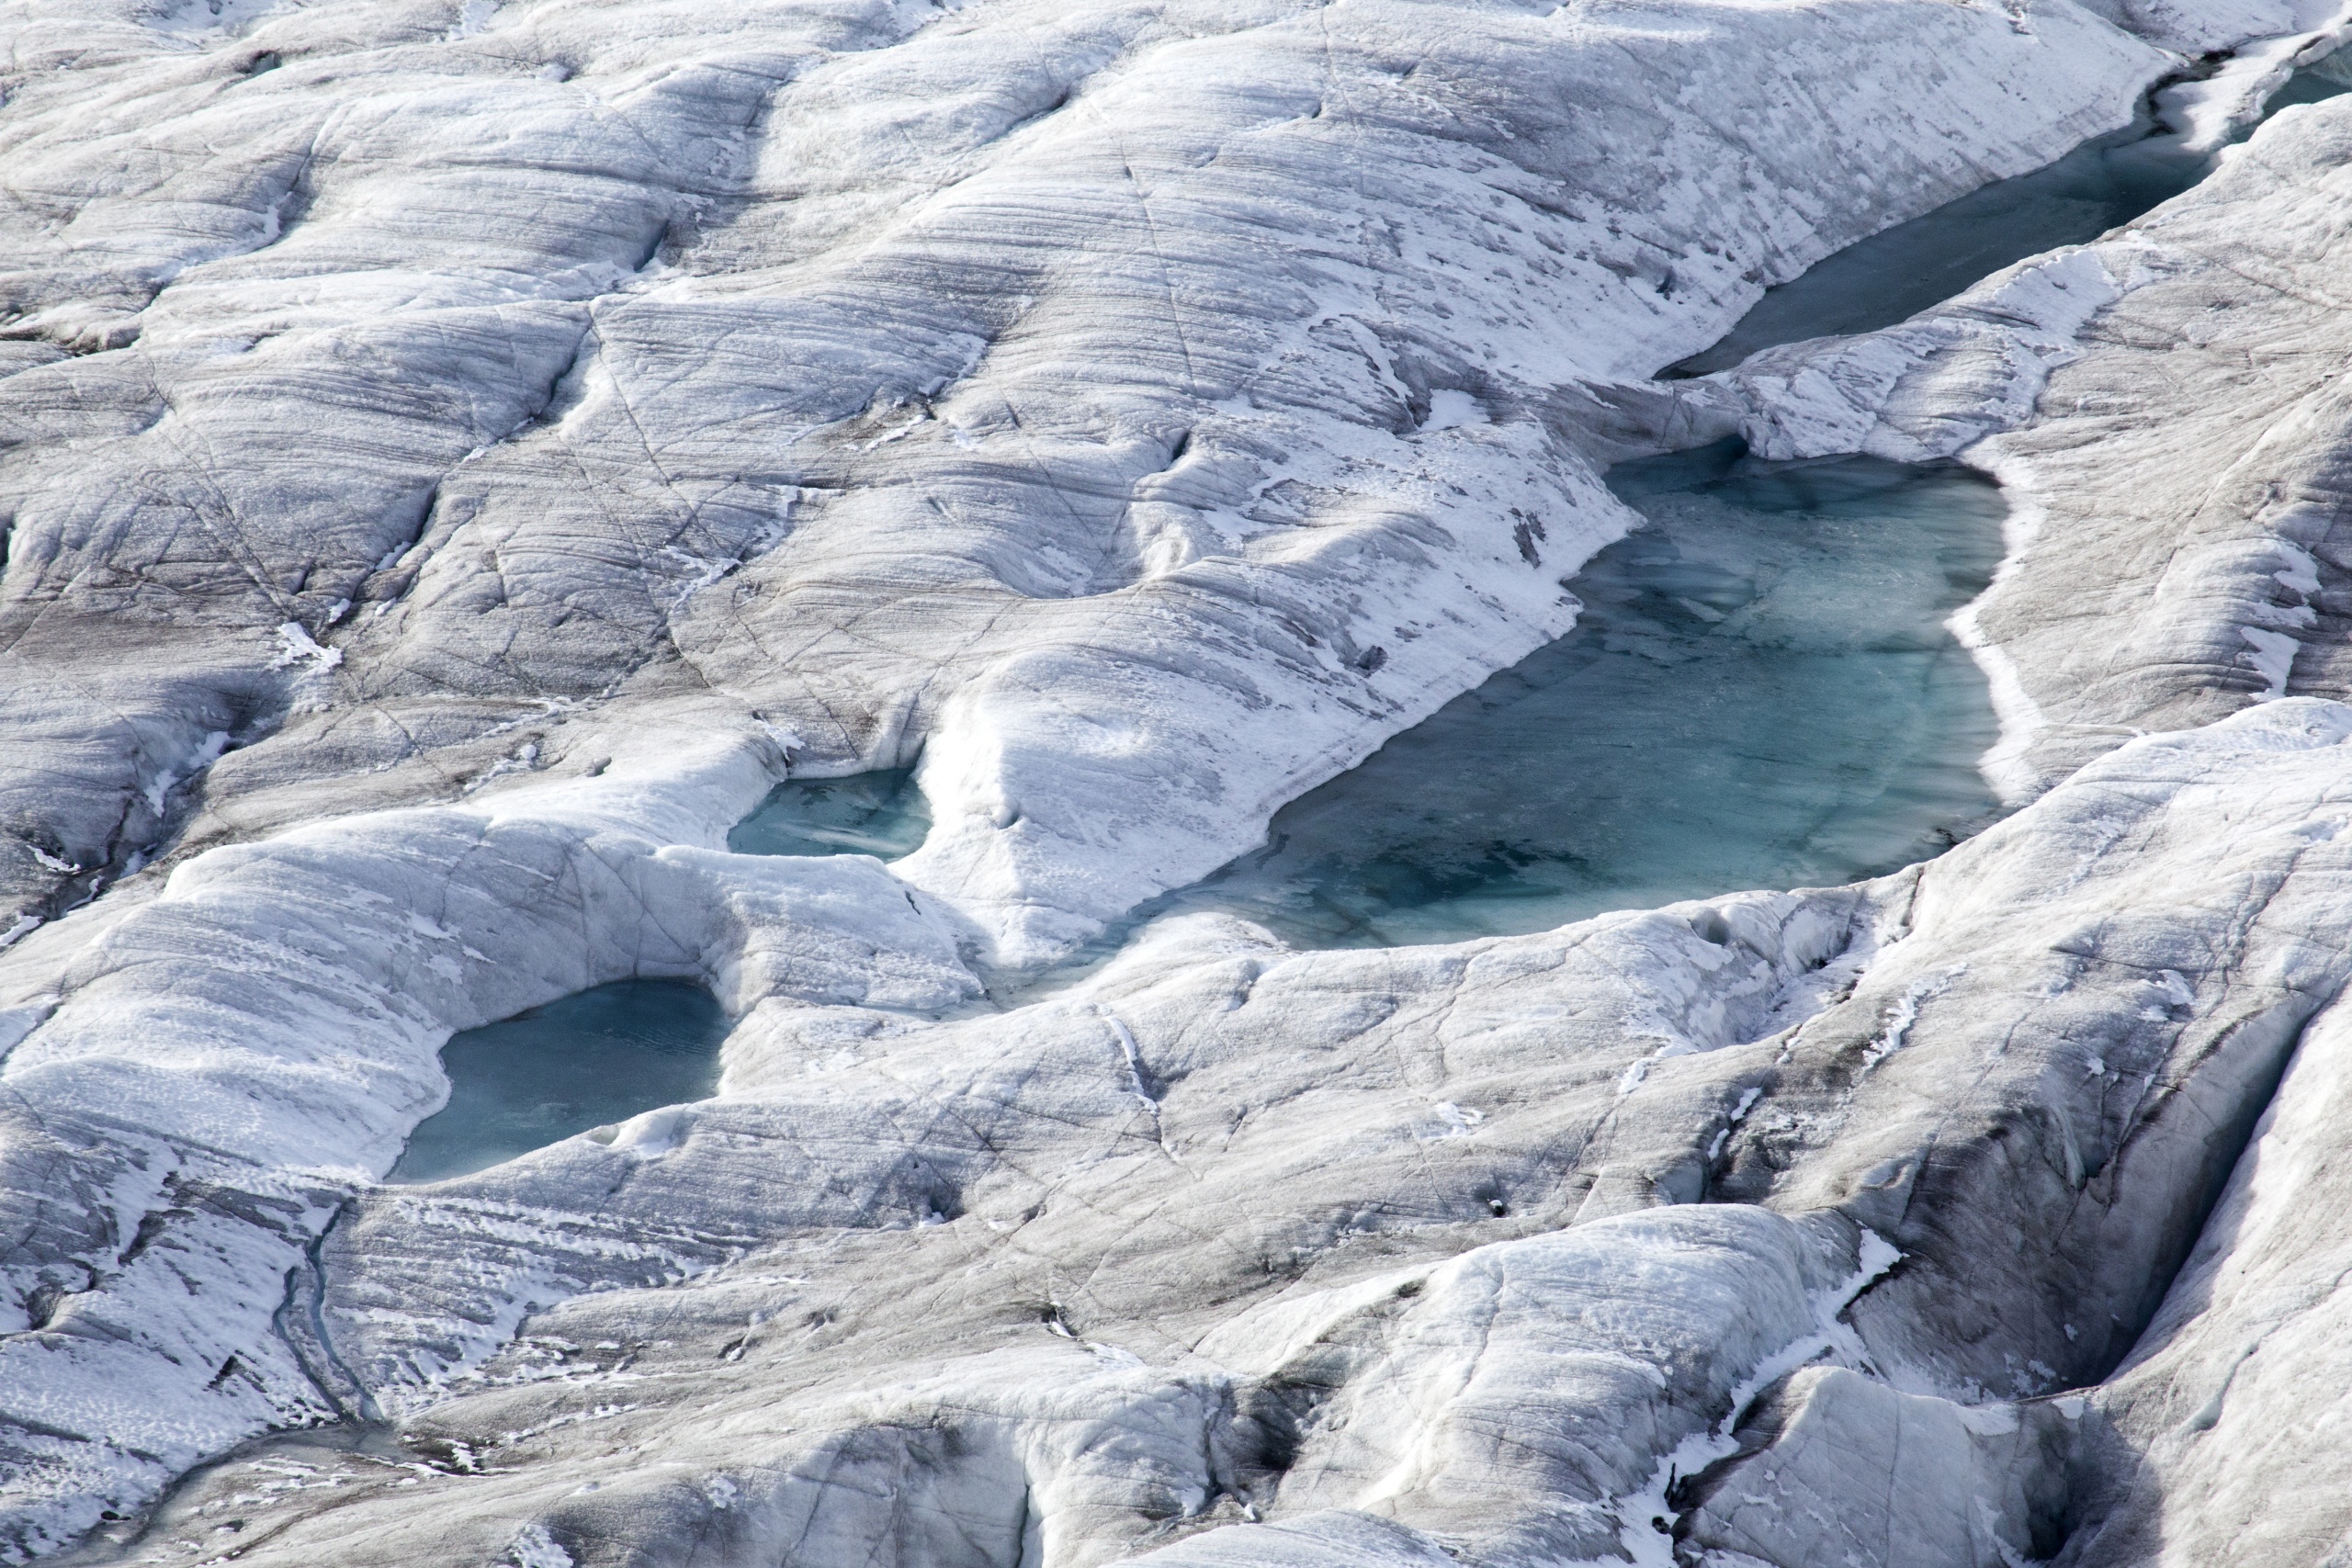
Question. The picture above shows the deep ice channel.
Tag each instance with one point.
(1895, 274)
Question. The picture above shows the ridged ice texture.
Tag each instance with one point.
(1048, 388)
(456, 453)
(1403, 1253)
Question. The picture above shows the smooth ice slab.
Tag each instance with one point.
(1761, 693)
(880, 814)
(1895, 274)
(597, 1056)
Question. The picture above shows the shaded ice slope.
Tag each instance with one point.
(2237, 330)
(2217, 1444)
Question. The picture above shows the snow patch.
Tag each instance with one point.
(2272, 657)
(1645, 1519)
(294, 643)
(1451, 409)
(533, 1548)
(1906, 1012)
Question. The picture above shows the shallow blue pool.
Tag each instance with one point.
(1760, 692)
(880, 814)
(597, 1056)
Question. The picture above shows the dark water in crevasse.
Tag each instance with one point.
(597, 1056)
(1897, 273)
(880, 814)
(1760, 692)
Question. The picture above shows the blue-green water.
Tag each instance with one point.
(1760, 692)
(594, 1057)
(1901, 271)
(879, 814)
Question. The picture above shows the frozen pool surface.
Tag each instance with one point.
(594, 1057)
(1760, 692)
(1897, 273)
(880, 814)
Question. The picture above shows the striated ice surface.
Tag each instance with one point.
(460, 458)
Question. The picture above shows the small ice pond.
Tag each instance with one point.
(1760, 692)
(597, 1056)
(1898, 272)
(880, 814)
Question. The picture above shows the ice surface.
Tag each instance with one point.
(1903, 270)
(1760, 692)
(1137, 414)
(597, 1056)
(881, 813)
(1124, 411)
(913, 1289)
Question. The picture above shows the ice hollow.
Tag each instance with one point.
(1760, 692)
(881, 814)
(576, 1064)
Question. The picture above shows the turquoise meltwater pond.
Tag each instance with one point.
(1761, 693)
(594, 1057)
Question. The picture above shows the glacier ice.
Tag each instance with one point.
(460, 458)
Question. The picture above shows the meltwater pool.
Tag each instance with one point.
(1762, 691)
